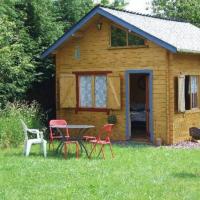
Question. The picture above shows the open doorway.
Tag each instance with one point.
(139, 105)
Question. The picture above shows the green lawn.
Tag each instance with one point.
(137, 172)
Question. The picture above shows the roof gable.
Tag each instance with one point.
(171, 35)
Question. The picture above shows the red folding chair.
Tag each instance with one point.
(53, 135)
(67, 141)
(106, 129)
(89, 137)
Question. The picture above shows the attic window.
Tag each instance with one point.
(123, 38)
(135, 40)
(118, 37)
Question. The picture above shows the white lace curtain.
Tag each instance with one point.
(85, 89)
(100, 91)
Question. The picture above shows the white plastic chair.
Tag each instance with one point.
(38, 140)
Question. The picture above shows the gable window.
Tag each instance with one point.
(123, 38)
(188, 89)
(135, 40)
(118, 37)
(92, 91)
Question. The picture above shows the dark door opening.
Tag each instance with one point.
(139, 105)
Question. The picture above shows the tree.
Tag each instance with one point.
(26, 29)
(69, 12)
(178, 9)
(120, 4)
(16, 72)
(105, 2)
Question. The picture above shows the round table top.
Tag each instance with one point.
(73, 126)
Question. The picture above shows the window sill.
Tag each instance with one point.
(129, 47)
(196, 110)
(93, 110)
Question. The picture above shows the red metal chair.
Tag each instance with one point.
(107, 128)
(66, 139)
(89, 137)
(53, 135)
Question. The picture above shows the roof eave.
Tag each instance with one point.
(70, 32)
(188, 51)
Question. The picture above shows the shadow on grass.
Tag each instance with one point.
(51, 154)
(37, 154)
(187, 175)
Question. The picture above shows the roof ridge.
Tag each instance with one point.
(141, 14)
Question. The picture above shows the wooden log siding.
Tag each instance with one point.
(95, 55)
(188, 65)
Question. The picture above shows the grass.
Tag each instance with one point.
(137, 172)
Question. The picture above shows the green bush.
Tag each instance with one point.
(11, 132)
(112, 119)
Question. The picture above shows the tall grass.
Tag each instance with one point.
(11, 132)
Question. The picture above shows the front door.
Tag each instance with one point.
(139, 104)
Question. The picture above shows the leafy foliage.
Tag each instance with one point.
(69, 12)
(112, 119)
(17, 71)
(11, 132)
(180, 9)
(23, 28)
(116, 3)
(119, 4)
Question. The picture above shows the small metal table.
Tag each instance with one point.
(82, 130)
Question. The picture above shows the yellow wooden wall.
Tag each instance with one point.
(181, 122)
(95, 55)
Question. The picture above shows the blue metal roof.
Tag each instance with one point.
(172, 35)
